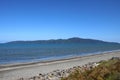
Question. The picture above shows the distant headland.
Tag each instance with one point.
(69, 40)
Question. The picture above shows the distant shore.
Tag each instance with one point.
(26, 70)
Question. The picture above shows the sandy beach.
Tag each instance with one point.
(26, 70)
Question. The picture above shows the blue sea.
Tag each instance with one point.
(19, 53)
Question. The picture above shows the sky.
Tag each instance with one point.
(55, 19)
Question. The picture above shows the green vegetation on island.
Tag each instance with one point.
(69, 40)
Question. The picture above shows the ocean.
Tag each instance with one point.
(31, 52)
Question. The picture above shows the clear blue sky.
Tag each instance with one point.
(52, 19)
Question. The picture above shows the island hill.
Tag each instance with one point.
(69, 40)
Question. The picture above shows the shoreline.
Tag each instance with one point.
(14, 72)
(53, 60)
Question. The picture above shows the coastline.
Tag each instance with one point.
(53, 60)
(15, 71)
(69, 57)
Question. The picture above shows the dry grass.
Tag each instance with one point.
(107, 70)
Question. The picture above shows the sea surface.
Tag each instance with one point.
(19, 53)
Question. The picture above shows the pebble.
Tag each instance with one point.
(58, 74)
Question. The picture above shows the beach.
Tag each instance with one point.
(27, 70)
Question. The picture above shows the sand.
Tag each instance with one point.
(27, 70)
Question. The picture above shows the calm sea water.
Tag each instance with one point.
(12, 53)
